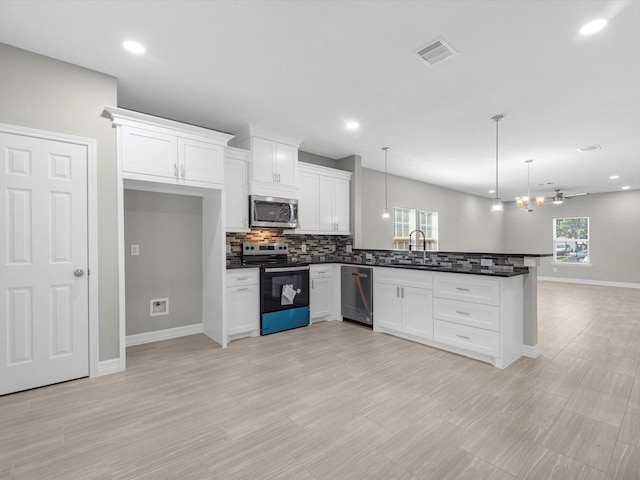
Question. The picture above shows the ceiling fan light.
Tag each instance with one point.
(540, 201)
(496, 205)
(557, 201)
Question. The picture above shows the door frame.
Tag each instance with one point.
(92, 226)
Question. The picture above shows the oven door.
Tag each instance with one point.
(284, 288)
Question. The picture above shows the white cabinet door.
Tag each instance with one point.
(327, 223)
(387, 306)
(308, 203)
(149, 153)
(200, 161)
(341, 205)
(243, 309)
(286, 164)
(417, 312)
(320, 298)
(262, 167)
(236, 195)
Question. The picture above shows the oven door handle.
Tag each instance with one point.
(286, 269)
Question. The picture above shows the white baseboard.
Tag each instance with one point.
(158, 335)
(590, 282)
(532, 351)
(107, 367)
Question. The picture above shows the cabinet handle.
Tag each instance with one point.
(402, 291)
(245, 222)
(243, 289)
(312, 284)
(463, 336)
(398, 292)
(175, 170)
(242, 278)
(273, 177)
(462, 313)
(183, 171)
(462, 289)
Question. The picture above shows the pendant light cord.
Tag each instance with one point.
(496, 119)
(386, 205)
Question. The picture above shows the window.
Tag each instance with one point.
(405, 221)
(571, 240)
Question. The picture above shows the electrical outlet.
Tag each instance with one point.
(158, 306)
(303, 248)
(368, 256)
(348, 249)
(555, 270)
(228, 248)
(333, 248)
(135, 250)
(486, 262)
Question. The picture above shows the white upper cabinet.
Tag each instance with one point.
(154, 149)
(324, 200)
(236, 189)
(274, 162)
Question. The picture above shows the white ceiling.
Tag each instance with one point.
(303, 68)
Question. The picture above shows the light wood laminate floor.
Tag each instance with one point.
(336, 401)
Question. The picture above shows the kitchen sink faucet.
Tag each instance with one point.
(424, 244)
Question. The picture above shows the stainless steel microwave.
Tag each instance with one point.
(273, 212)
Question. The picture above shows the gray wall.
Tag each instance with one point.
(316, 159)
(168, 229)
(614, 231)
(465, 222)
(46, 94)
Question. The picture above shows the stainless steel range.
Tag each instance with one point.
(284, 287)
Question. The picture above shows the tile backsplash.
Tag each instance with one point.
(329, 248)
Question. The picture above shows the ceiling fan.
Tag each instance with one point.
(559, 197)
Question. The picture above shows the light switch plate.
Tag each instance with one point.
(135, 250)
(303, 248)
(486, 262)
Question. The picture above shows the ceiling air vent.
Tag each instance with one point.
(436, 52)
(590, 148)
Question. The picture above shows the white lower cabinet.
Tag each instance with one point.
(403, 303)
(323, 293)
(481, 317)
(243, 303)
(472, 315)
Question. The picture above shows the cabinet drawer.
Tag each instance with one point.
(321, 271)
(467, 313)
(473, 339)
(244, 276)
(467, 288)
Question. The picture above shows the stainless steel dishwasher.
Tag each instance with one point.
(357, 295)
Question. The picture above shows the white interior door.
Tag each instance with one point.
(44, 322)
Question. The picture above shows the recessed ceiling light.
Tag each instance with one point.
(614, 177)
(626, 187)
(134, 47)
(594, 26)
(352, 125)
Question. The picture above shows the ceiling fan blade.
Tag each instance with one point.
(570, 195)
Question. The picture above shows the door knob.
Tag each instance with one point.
(79, 272)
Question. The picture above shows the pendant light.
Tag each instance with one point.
(385, 212)
(496, 206)
(524, 203)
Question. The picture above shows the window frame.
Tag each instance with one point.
(575, 241)
(401, 243)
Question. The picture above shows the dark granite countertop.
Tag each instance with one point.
(496, 272)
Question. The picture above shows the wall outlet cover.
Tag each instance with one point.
(303, 248)
(368, 256)
(486, 262)
(333, 248)
(135, 250)
(348, 249)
